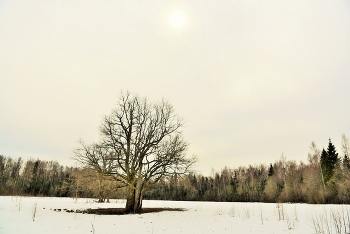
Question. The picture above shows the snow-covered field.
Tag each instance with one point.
(37, 215)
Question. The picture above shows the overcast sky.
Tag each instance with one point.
(252, 79)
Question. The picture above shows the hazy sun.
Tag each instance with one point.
(177, 19)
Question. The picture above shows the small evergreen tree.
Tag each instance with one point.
(271, 172)
(332, 154)
(325, 166)
(329, 159)
(346, 162)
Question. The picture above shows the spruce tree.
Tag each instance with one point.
(329, 159)
(332, 154)
(346, 162)
(271, 172)
(325, 166)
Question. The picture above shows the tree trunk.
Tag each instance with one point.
(100, 192)
(134, 199)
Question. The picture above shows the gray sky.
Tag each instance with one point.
(252, 79)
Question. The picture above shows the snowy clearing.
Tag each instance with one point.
(37, 215)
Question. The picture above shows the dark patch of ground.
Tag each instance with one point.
(118, 211)
(121, 211)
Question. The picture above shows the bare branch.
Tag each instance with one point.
(141, 143)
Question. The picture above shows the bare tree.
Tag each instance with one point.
(346, 151)
(345, 145)
(314, 157)
(141, 143)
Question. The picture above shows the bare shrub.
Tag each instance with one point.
(233, 211)
(92, 228)
(280, 211)
(220, 211)
(246, 212)
(19, 203)
(290, 221)
(296, 214)
(34, 210)
(334, 220)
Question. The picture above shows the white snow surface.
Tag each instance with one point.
(17, 216)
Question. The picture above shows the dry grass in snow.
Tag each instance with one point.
(49, 215)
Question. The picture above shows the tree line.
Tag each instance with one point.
(325, 178)
(49, 178)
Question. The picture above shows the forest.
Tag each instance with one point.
(323, 179)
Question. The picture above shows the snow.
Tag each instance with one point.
(17, 216)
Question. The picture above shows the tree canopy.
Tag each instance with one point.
(141, 142)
